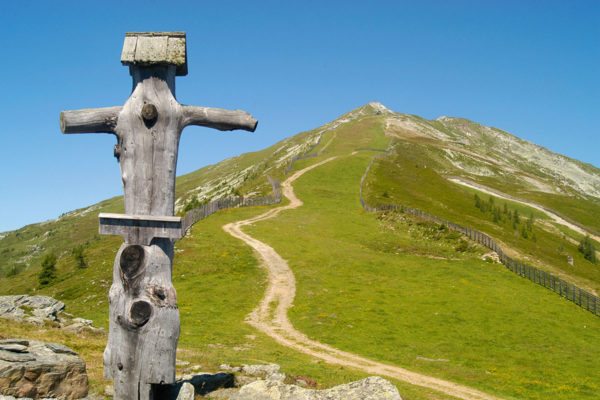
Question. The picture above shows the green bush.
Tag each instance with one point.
(191, 204)
(586, 247)
(48, 273)
(79, 256)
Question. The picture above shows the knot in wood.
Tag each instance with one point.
(140, 312)
(149, 113)
(132, 259)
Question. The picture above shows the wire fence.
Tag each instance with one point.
(196, 214)
(569, 291)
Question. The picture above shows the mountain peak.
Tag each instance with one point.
(379, 107)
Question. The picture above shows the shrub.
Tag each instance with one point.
(79, 256)
(48, 273)
(191, 204)
(586, 247)
(462, 246)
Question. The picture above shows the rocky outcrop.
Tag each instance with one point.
(267, 382)
(371, 388)
(32, 369)
(39, 310)
(33, 309)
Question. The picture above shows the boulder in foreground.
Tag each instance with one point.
(32, 369)
(371, 388)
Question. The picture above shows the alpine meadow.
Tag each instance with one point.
(452, 258)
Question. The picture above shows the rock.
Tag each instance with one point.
(86, 322)
(187, 392)
(33, 309)
(22, 342)
(41, 370)
(261, 370)
(14, 347)
(38, 310)
(372, 388)
(75, 328)
(109, 390)
(250, 373)
(15, 357)
(60, 348)
(222, 394)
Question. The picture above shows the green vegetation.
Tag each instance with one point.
(411, 176)
(586, 247)
(78, 254)
(48, 273)
(387, 286)
(504, 214)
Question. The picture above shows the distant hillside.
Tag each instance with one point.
(383, 285)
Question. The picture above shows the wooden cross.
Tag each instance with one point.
(144, 320)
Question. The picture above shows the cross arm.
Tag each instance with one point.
(218, 118)
(90, 120)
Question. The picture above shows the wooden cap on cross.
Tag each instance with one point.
(154, 48)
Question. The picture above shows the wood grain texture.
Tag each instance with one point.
(155, 48)
(144, 319)
(218, 118)
(90, 120)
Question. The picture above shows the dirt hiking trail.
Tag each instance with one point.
(271, 317)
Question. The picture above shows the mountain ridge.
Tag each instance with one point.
(387, 286)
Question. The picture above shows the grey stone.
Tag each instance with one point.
(109, 390)
(14, 347)
(222, 394)
(187, 392)
(86, 322)
(15, 357)
(261, 370)
(22, 342)
(45, 370)
(372, 388)
(75, 328)
(33, 309)
(60, 348)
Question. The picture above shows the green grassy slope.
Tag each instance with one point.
(410, 176)
(384, 286)
(389, 291)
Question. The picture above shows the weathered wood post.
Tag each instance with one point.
(144, 320)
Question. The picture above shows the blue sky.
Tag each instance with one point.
(531, 68)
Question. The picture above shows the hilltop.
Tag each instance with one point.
(386, 286)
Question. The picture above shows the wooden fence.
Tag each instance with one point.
(306, 154)
(581, 297)
(196, 214)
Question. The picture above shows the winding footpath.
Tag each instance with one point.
(271, 317)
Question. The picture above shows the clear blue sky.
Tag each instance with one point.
(532, 68)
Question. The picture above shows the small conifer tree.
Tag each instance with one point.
(48, 273)
(586, 247)
(477, 201)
